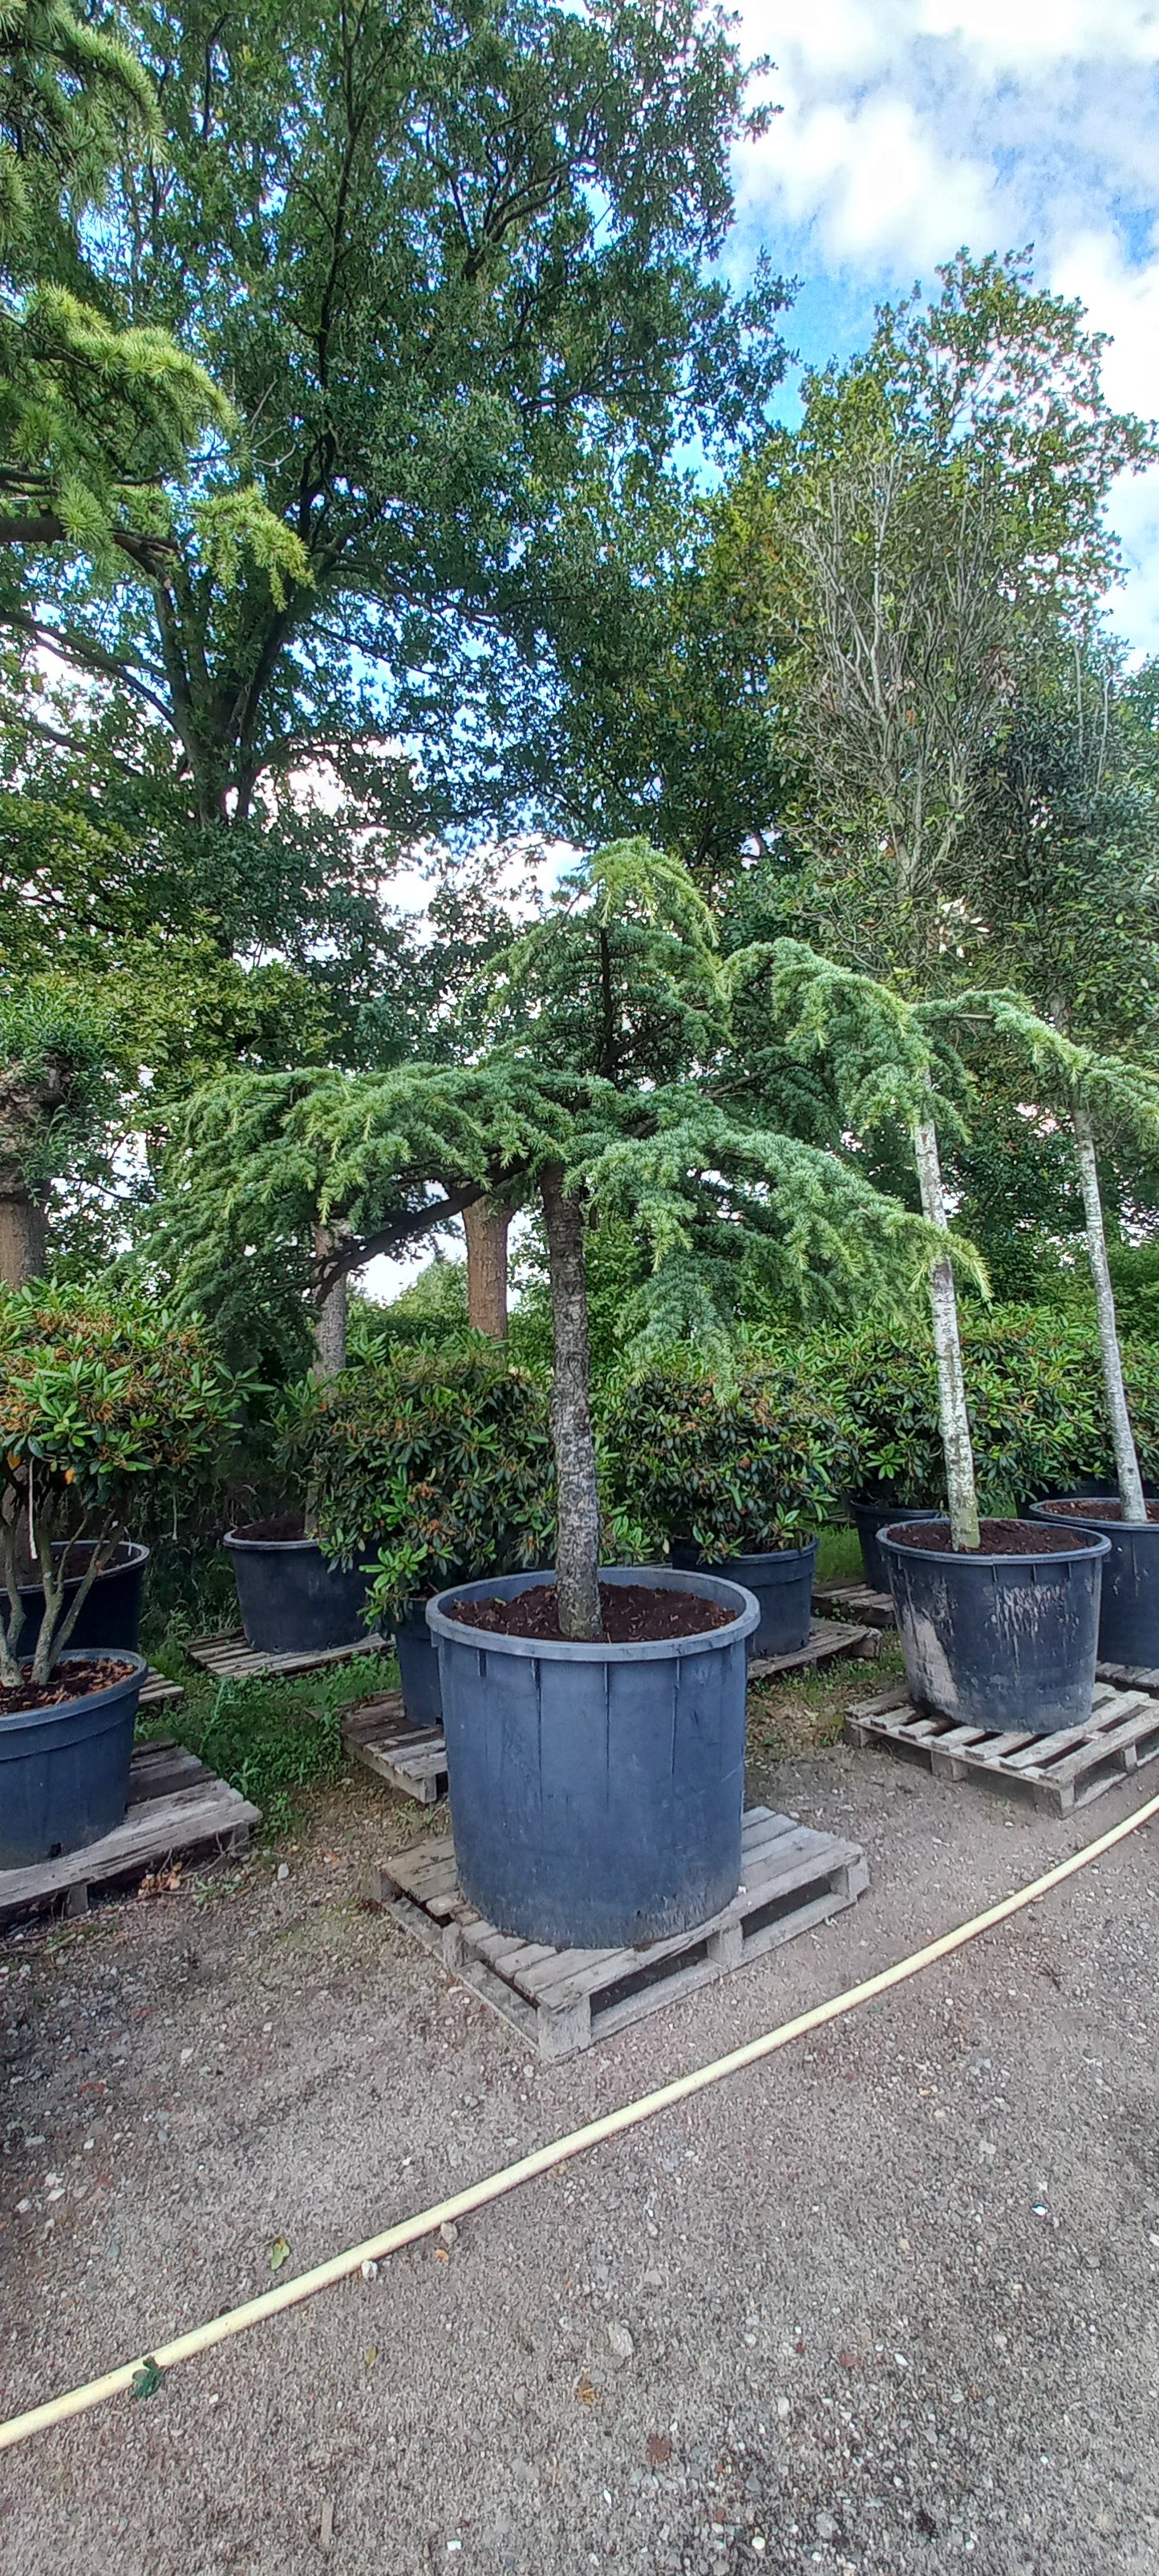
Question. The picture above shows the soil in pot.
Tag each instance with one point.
(69, 1681)
(1003, 1638)
(633, 1614)
(1129, 1615)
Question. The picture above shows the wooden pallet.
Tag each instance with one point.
(1056, 1773)
(412, 1761)
(829, 1640)
(177, 1811)
(563, 2000)
(229, 1659)
(854, 1601)
(157, 1690)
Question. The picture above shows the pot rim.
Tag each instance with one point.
(1097, 1545)
(137, 1554)
(271, 1546)
(12, 1718)
(722, 1565)
(563, 1650)
(1057, 1519)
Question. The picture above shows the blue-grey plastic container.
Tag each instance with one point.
(418, 1668)
(869, 1519)
(596, 1790)
(111, 1615)
(1129, 1617)
(998, 1642)
(64, 1771)
(781, 1582)
(292, 1600)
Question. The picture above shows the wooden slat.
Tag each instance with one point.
(410, 1760)
(562, 2000)
(829, 1641)
(157, 1691)
(232, 1659)
(163, 1823)
(1057, 1772)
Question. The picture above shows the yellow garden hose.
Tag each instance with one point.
(289, 2294)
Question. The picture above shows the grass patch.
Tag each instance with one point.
(271, 1738)
(839, 1557)
(806, 1711)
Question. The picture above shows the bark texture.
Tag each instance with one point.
(1126, 1459)
(955, 1421)
(487, 1224)
(330, 1322)
(23, 1231)
(578, 1504)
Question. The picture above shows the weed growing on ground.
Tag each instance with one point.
(272, 1738)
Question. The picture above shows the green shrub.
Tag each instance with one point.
(432, 1311)
(437, 1465)
(112, 1415)
(740, 1467)
(1034, 1392)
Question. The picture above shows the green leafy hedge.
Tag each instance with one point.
(437, 1465)
(741, 1466)
(1035, 1396)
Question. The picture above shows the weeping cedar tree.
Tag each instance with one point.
(627, 953)
(886, 1063)
(1091, 1092)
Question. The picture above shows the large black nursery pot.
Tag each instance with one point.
(293, 1601)
(869, 1519)
(418, 1668)
(111, 1615)
(1129, 1618)
(596, 1790)
(64, 1771)
(781, 1582)
(997, 1641)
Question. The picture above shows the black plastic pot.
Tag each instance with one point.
(418, 1668)
(596, 1790)
(999, 1642)
(781, 1581)
(870, 1518)
(112, 1612)
(1129, 1618)
(64, 1771)
(293, 1602)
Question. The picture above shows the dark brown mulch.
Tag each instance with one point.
(634, 1614)
(996, 1538)
(1097, 1507)
(70, 1681)
(284, 1525)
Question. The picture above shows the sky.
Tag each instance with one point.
(912, 127)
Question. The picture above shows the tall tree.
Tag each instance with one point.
(445, 259)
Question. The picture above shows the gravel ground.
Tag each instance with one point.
(884, 2304)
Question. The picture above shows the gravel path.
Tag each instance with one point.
(884, 2304)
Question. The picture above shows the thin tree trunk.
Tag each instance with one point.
(577, 1495)
(487, 1224)
(330, 1321)
(23, 1233)
(1134, 1507)
(955, 1421)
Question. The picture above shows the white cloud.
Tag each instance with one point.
(912, 126)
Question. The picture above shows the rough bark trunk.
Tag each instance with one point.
(23, 1233)
(487, 1224)
(330, 1321)
(577, 1495)
(955, 1421)
(1131, 1495)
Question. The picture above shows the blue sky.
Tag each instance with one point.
(910, 127)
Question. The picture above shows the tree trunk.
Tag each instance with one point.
(955, 1421)
(1131, 1495)
(330, 1321)
(487, 1224)
(23, 1232)
(577, 1496)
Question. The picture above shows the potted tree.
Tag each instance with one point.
(733, 1473)
(103, 1399)
(998, 1619)
(1094, 1093)
(427, 1468)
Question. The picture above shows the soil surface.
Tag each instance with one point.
(996, 1538)
(284, 1525)
(1098, 1507)
(885, 2305)
(634, 1614)
(69, 1681)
